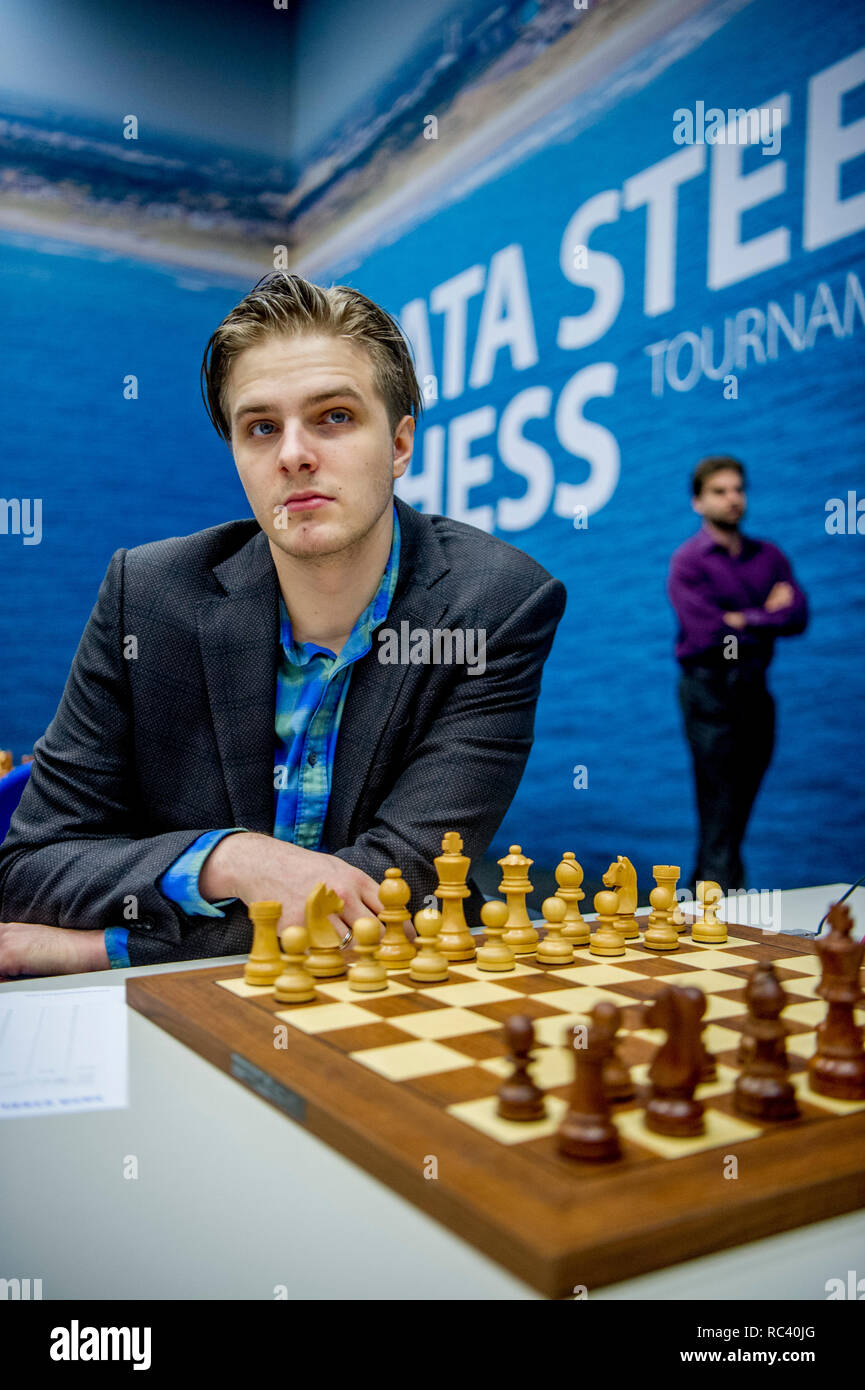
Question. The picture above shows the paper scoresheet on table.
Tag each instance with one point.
(63, 1050)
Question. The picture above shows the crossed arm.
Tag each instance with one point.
(783, 613)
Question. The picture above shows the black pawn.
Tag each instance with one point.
(587, 1131)
(519, 1097)
(763, 1089)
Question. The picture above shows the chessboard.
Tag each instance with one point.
(403, 1082)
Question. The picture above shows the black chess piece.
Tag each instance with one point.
(587, 1130)
(837, 1068)
(672, 1107)
(519, 1097)
(763, 1090)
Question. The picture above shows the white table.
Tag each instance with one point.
(233, 1199)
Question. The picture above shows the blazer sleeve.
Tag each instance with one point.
(466, 769)
(72, 857)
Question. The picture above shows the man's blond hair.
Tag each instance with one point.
(282, 304)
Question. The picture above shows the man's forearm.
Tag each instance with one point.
(34, 949)
(91, 883)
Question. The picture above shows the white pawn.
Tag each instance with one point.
(429, 965)
(295, 985)
(495, 954)
(554, 949)
(711, 931)
(367, 974)
(607, 940)
(661, 934)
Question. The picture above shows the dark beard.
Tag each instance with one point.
(729, 526)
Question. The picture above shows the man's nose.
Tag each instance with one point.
(296, 448)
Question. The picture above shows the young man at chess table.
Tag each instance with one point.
(244, 716)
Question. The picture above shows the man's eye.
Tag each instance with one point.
(268, 425)
(338, 410)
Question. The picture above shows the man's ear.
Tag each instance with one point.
(403, 445)
(697, 505)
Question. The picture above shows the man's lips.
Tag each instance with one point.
(306, 501)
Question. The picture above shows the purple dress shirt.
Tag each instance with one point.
(706, 581)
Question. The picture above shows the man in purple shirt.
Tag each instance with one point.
(733, 596)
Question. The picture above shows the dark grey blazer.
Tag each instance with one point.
(147, 752)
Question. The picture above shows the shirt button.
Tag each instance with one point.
(311, 759)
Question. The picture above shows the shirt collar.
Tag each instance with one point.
(360, 637)
(705, 542)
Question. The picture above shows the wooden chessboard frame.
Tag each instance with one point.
(589, 1224)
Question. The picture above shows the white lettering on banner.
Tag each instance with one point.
(731, 194)
(466, 471)
(451, 299)
(601, 273)
(751, 336)
(582, 438)
(658, 189)
(587, 441)
(503, 331)
(506, 318)
(526, 458)
(829, 146)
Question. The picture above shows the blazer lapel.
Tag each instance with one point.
(238, 632)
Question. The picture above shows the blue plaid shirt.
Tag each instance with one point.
(311, 688)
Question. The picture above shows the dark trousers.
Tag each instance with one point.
(730, 724)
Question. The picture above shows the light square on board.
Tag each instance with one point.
(803, 986)
(580, 1001)
(342, 991)
(810, 1012)
(327, 1018)
(482, 1115)
(554, 1031)
(444, 1023)
(802, 1044)
(242, 989)
(720, 1129)
(706, 980)
(404, 1061)
(803, 965)
(808, 1096)
(472, 992)
(709, 957)
(583, 953)
(473, 971)
(598, 975)
(552, 1066)
(717, 1038)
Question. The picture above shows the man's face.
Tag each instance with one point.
(722, 499)
(312, 443)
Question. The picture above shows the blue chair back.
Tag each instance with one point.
(11, 787)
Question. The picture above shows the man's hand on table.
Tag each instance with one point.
(33, 949)
(251, 867)
(259, 868)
